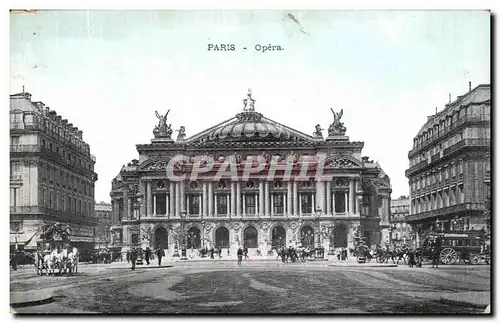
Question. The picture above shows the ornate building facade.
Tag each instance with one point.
(51, 174)
(450, 166)
(252, 182)
(103, 214)
(400, 230)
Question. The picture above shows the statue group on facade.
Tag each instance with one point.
(163, 130)
(337, 127)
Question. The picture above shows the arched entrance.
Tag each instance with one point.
(250, 238)
(222, 238)
(307, 236)
(340, 236)
(194, 238)
(161, 238)
(278, 237)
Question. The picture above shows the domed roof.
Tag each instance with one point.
(249, 125)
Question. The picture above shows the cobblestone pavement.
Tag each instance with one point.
(259, 287)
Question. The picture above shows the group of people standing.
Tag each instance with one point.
(133, 253)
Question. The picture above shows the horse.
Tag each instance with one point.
(73, 258)
(63, 260)
(306, 254)
(51, 260)
(39, 263)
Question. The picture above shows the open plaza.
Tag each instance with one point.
(259, 285)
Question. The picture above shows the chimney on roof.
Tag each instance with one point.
(470, 86)
(449, 98)
(23, 88)
(436, 110)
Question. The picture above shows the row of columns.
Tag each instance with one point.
(175, 201)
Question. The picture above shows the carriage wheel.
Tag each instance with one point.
(474, 259)
(380, 259)
(448, 256)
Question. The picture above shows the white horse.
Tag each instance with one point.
(39, 263)
(51, 261)
(73, 258)
(63, 260)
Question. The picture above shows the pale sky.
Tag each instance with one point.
(108, 71)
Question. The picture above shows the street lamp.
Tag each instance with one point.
(183, 236)
(317, 213)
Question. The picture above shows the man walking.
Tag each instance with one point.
(245, 252)
(240, 255)
(148, 255)
(133, 257)
(159, 254)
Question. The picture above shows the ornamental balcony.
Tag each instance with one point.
(58, 215)
(449, 210)
(464, 143)
(436, 137)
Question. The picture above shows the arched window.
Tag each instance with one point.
(250, 238)
(222, 238)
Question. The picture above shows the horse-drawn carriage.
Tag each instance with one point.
(456, 247)
(53, 255)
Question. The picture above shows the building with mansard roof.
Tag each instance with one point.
(450, 166)
(251, 182)
(51, 175)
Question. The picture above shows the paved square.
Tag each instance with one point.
(260, 287)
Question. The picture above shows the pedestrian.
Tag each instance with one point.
(220, 252)
(240, 255)
(245, 252)
(228, 251)
(338, 254)
(133, 257)
(159, 253)
(212, 251)
(128, 256)
(147, 255)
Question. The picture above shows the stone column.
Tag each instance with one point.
(199, 205)
(167, 206)
(320, 186)
(210, 198)
(238, 198)
(257, 206)
(204, 198)
(328, 197)
(295, 199)
(188, 197)
(346, 202)
(215, 204)
(272, 204)
(244, 205)
(142, 190)
(129, 208)
(233, 198)
(351, 196)
(356, 187)
(182, 196)
(333, 202)
(289, 198)
(228, 207)
(177, 199)
(149, 210)
(300, 204)
(171, 199)
(313, 203)
(261, 197)
(154, 204)
(267, 206)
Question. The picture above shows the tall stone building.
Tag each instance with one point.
(51, 174)
(253, 182)
(450, 166)
(103, 214)
(400, 230)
